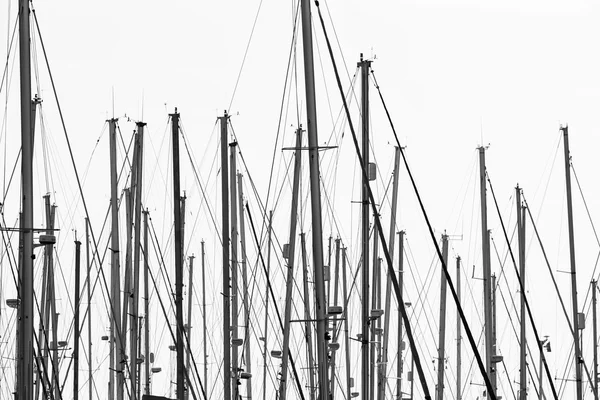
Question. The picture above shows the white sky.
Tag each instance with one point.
(454, 74)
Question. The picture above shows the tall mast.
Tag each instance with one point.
(400, 343)
(364, 73)
(595, 334)
(89, 298)
(442, 335)
(76, 322)
(205, 382)
(52, 310)
(373, 323)
(178, 257)
(307, 324)
(487, 273)
(265, 338)
(334, 322)
(189, 318)
(226, 293)
(345, 315)
(44, 326)
(247, 355)
(458, 336)
(116, 368)
(26, 315)
(136, 257)
(315, 197)
(382, 378)
(234, 269)
(146, 313)
(125, 313)
(523, 351)
(578, 359)
(290, 265)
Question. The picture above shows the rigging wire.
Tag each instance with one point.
(245, 54)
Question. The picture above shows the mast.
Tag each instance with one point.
(89, 298)
(204, 315)
(373, 323)
(487, 273)
(578, 359)
(26, 316)
(442, 335)
(247, 355)
(400, 342)
(364, 68)
(458, 336)
(523, 339)
(178, 257)
(315, 197)
(307, 324)
(116, 368)
(125, 314)
(382, 381)
(189, 317)
(267, 310)
(290, 265)
(133, 357)
(595, 333)
(225, 234)
(76, 322)
(52, 311)
(44, 326)
(146, 313)
(345, 315)
(234, 270)
(333, 328)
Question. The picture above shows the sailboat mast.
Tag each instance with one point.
(25, 330)
(188, 326)
(382, 378)
(178, 257)
(315, 197)
(77, 331)
(225, 234)
(565, 130)
(146, 300)
(234, 269)
(522, 340)
(373, 323)
(115, 368)
(400, 342)
(136, 259)
(265, 338)
(290, 265)
(247, 355)
(336, 276)
(442, 334)
(364, 73)
(307, 324)
(44, 327)
(487, 273)
(345, 315)
(458, 336)
(89, 311)
(205, 382)
(595, 334)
